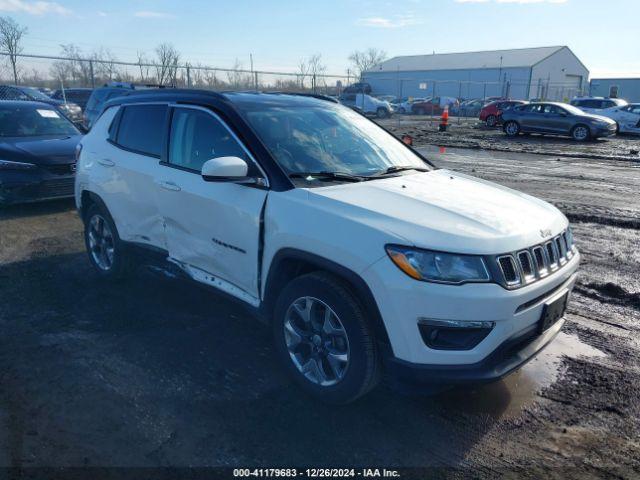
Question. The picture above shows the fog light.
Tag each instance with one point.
(453, 334)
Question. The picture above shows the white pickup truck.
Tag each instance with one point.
(362, 255)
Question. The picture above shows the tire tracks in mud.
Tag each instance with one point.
(609, 292)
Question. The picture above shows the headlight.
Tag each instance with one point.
(7, 165)
(438, 267)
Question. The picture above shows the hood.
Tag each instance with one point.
(40, 150)
(447, 211)
(593, 116)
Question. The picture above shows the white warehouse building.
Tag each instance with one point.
(552, 73)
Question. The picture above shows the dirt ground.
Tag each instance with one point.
(156, 373)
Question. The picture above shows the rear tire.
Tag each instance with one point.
(323, 340)
(581, 133)
(107, 253)
(511, 128)
(491, 121)
(382, 113)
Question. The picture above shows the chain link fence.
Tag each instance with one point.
(55, 73)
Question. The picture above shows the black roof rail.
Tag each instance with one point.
(319, 96)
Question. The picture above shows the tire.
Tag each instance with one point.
(617, 128)
(336, 362)
(491, 121)
(107, 254)
(511, 128)
(382, 112)
(421, 111)
(580, 133)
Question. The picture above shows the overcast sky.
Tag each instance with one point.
(604, 34)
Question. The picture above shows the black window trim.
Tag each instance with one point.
(173, 106)
(118, 118)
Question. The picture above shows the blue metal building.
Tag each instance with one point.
(553, 73)
(627, 88)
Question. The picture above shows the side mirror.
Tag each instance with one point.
(223, 169)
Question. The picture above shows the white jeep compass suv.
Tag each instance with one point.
(362, 255)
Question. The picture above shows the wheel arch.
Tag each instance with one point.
(289, 263)
(87, 199)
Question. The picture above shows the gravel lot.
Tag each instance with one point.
(156, 372)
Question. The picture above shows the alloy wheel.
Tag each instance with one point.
(317, 341)
(101, 242)
(580, 133)
(512, 128)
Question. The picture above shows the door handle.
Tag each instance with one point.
(169, 186)
(106, 162)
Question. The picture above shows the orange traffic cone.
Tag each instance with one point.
(444, 121)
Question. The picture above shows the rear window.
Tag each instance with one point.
(141, 129)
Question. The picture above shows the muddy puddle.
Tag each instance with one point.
(508, 397)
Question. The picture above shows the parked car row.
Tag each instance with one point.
(583, 119)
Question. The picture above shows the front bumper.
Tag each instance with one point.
(507, 358)
(403, 302)
(34, 185)
(604, 131)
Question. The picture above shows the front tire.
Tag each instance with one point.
(580, 133)
(323, 339)
(511, 128)
(107, 253)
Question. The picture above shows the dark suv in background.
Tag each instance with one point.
(79, 96)
(102, 94)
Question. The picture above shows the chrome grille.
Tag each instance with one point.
(531, 264)
(509, 270)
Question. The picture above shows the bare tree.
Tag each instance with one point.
(168, 59)
(367, 59)
(11, 34)
(316, 67)
(78, 67)
(303, 71)
(104, 60)
(143, 62)
(237, 79)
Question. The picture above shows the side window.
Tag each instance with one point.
(113, 128)
(142, 129)
(635, 109)
(608, 104)
(198, 136)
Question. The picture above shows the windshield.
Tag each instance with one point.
(572, 110)
(328, 138)
(28, 121)
(35, 93)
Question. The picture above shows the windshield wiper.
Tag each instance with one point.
(398, 168)
(348, 177)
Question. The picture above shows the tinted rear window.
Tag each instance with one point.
(142, 128)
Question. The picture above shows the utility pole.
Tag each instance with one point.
(253, 74)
